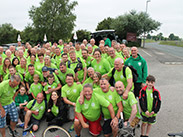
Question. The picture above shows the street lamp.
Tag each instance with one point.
(144, 23)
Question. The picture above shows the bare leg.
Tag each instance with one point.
(27, 118)
(115, 131)
(77, 127)
(143, 127)
(148, 129)
(2, 130)
(13, 125)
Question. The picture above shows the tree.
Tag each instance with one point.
(7, 34)
(173, 37)
(105, 24)
(55, 18)
(81, 34)
(134, 22)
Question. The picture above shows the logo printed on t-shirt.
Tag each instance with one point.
(110, 97)
(68, 92)
(74, 90)
(100, 67)
(121, 76)
(41, 107)
(86, 106)
(93, 104)
(139, 63)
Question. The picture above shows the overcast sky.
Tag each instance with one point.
(90, 12)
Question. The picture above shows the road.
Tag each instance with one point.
(166, 64)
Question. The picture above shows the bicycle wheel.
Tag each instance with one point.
(55, 131)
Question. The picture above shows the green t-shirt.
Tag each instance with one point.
(88, 81)
(21, 99)
(29, 77)
(108, 42)
(91, 109)
(38, 66)
(103, 66)
(8, 76)
(118, 76)
(110, 96)
(62, 76)
(73, 92)
(88, 61)
(55, 110)
(53, 85)
(73, 66)
(149, 94)
(6, 93)
(111, 60)
(58, 59)
(35, 89)
(37, 107)
(127, 105)
(20, 70)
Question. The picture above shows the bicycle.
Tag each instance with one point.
(124, 131)
(176, 134)
(55, 131)
(29, 129)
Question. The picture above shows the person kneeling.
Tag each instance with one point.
(57, 110)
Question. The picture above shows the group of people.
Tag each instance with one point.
(80, 82)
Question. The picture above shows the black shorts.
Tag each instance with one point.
(107, 127)
(149, 120)
(34, 121)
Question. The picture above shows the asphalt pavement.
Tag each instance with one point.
(166, 64)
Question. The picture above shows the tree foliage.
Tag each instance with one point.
(81, 34)
(7, 34)
(55, 18)
(133, 22)
(105, 24)
(173, 37)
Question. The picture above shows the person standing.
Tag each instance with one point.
(139, 63)
(7, 105)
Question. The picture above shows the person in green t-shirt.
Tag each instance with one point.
(21, 101)
(115, 100)
(79, 67)
(90, 111)
(150, 103)
(63, 71)
(57, 110)
(107, 41)
(70, 92)
(35, 87)
(7, 105)
(90, 74)
(100, 64)
(85, 56)
(50, 87)
(29, 76)
(118, 76)
(130, 109)
(34, 112)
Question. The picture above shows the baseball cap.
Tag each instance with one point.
(45, 68)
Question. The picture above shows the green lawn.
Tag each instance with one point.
(172, 43)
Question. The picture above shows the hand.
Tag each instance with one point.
(112, 88)
(74, 104)
(104, 76)
(50, 90)
(152, 113)
(82, 81)
(126, 124)
(81, 100)
(114, 122)
(36, 113)
(45, 83)
(147, 113)
(56, 72)
(21, 106)
(2, 113)
(47, 92)
(78, 83)
(85, 125)
(49, 110)
(143, 85)
(125, 95)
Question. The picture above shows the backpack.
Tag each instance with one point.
(134, 74)
(79, 66)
